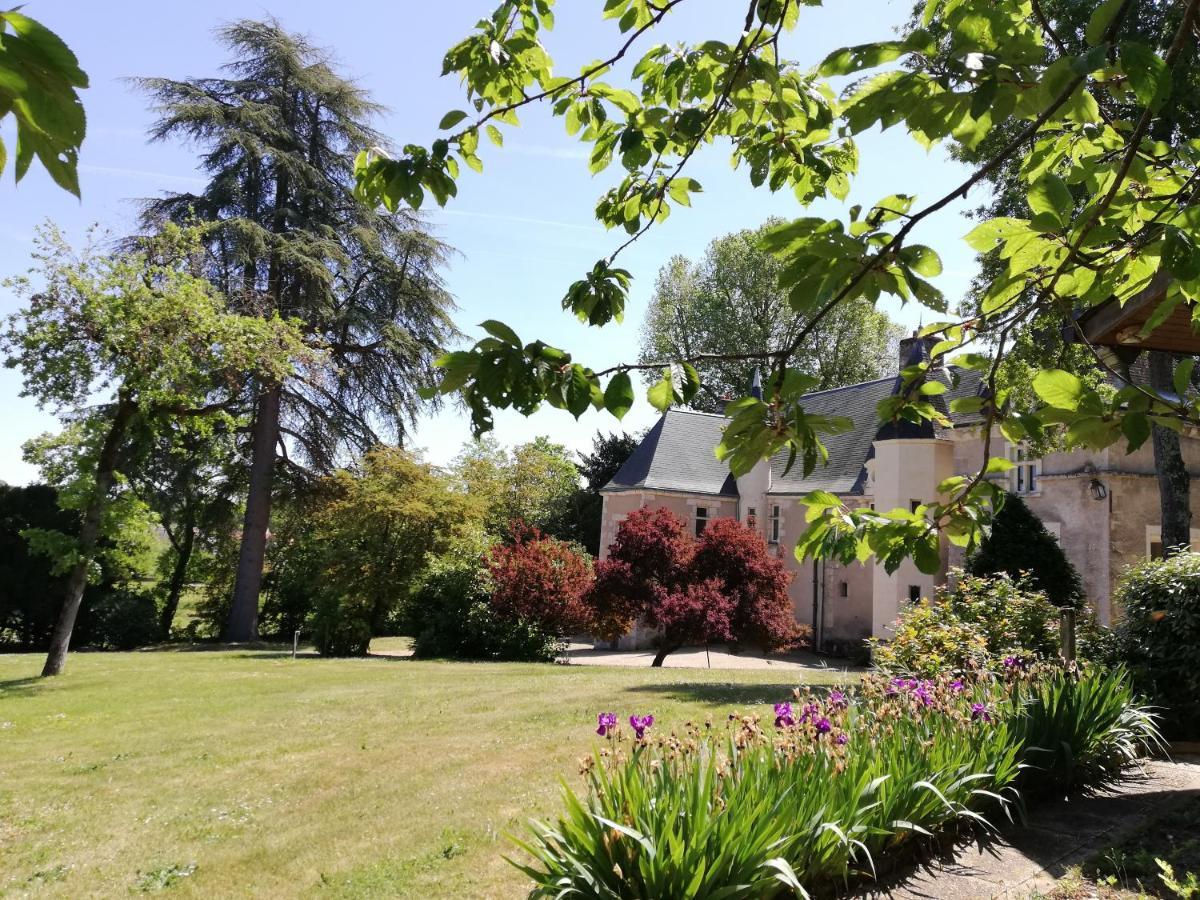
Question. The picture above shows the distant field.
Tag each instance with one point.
(226, 774)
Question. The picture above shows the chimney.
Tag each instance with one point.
(915, 349)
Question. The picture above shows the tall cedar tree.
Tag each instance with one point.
(1041, 344)
(1018, 543)
(278, 134)
(725, 586)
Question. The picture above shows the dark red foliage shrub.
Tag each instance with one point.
(656, 544)
(724, 587)
(755, 581)
(542, 580)
(694, 614)
(617, 598)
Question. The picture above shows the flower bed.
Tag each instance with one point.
(828, 788)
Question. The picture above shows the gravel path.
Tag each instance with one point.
(699, 658)
(1027, 861)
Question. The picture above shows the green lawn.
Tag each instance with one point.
(232, 773)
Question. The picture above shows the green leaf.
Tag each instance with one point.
(1058, 388)
(496, 137)
(688, 379)
(1147, 73)
(680, 189)
(579, 391)
(1051, 196)
(1099, 21)
(997, 464)
(985, 236)
(1183, 376)
(927, 554)
(864, 56)
(1180, 255)
(501, 331)
(452, 118)
(618, 396)
(922, 260)
(1136, 428)
(662, 394)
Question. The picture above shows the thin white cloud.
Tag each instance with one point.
(544, 150)
(143, 175)
(524, 220)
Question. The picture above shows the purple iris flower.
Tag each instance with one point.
(783, 715)
(922, 694)
(838, 700)
(606, 722)
(957, 686)
(1014, 662)
(640, 724)
(842, 738)
(823, 725)
(979, 712)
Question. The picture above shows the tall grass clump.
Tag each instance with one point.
(1080, 730)
(825, 790)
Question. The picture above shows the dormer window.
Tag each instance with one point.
(1026, 474)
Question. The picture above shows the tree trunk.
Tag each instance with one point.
(661, 655)
(89, 533)
(243, 613)
(183, 556)
(1174, 483)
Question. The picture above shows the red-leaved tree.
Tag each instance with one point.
(724, 587)
(755, 581)
(541, 579)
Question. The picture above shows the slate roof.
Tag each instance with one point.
(677, 453)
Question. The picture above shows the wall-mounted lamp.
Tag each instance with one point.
(1099, 491)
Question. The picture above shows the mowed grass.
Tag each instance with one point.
(235, 773)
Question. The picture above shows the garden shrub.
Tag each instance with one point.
(1019, 544)
(724, 586)
(1080, 730)
(340, 623)
(1159, 637)
(119, 619)
(31, 590)
(540, 580)
(975, 622)
(820, 791)
(450, 613)
(738, 561)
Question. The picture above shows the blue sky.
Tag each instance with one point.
(523, 229)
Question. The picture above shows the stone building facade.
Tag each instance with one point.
(1101, 505)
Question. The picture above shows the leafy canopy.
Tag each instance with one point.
(1107, 211)
(138, 327)
(731, 298)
